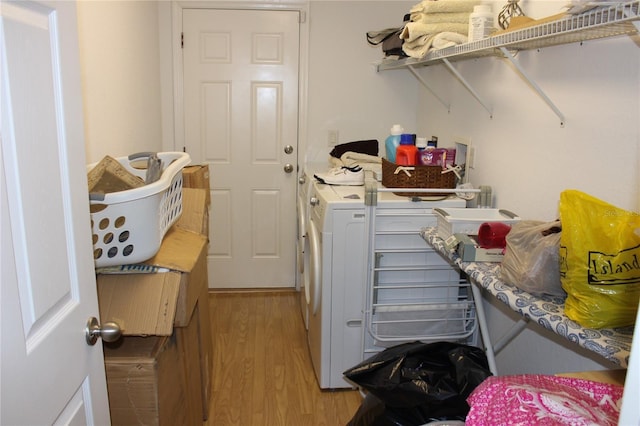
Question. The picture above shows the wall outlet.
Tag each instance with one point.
(333, 137)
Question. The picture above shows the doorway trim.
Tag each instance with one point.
(171, 75)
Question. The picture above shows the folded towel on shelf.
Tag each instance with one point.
(421, 46)
(442, 18)
(444, 6)
(436, 24)
(414, 30)
(447, 39)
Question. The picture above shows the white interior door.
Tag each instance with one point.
(50, 375)
(241, 114)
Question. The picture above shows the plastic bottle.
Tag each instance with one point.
(427, 157)
(480, 22)
(392, 142)
(421, 146)
(406, 151)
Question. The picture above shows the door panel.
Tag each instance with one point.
(48, 276)
(241, 111)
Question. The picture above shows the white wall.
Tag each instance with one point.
(119, 54)
(345, 92)
(528, 158)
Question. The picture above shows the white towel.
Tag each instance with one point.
(350, 159)
(447, 39)
(442, 18)
(421, 46)
(414, 30)
(444, 6)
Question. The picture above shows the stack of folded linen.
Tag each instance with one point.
(436, 24)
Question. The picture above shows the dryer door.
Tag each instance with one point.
(313, 267)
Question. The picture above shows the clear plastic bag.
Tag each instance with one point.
(531, 261)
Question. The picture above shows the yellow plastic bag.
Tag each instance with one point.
(600, 261)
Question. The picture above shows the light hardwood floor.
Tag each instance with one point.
(262, 372)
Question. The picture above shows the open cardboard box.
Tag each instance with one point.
(163, 309)
(152, 304)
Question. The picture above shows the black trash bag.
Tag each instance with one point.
(374, 412)
(419, 382)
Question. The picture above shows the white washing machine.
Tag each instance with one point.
(335, 262)
(336, 271)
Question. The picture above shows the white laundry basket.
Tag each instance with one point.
(128, 226)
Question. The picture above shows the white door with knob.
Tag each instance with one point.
(241, 118)
(50, 374)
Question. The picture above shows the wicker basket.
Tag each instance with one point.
(416, 177)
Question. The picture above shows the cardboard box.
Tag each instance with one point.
(470, 251)
(206, 350)
(142, 304)
(143, 383)
(186, 252)
(110, 176)
(133, 300)
(173, 303)
(189, 345)
(197, 176)
(195, 211)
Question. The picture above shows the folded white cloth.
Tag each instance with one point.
(415, 30)
(444, 6)
(448, 39)
(441, 18)
(421, 46)
(351, 159)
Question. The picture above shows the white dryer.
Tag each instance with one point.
(335, 264)
(305, 182)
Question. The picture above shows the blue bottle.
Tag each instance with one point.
(392, 142)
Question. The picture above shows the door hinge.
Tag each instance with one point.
(182, 40)
(184, 149)
(302, 17)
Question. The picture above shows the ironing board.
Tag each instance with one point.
(612, 344)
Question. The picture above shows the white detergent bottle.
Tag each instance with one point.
(392, 142)
(480, 22)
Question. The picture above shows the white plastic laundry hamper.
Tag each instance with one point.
(128, 226)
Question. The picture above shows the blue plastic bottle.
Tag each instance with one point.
(392, 142)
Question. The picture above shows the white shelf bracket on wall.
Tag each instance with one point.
(426, 86)
(533, 84)
(466, 84)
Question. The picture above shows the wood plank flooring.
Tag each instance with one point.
(262, 372)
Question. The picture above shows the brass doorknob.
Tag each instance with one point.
(288, 168)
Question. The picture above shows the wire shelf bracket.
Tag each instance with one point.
(534, 85)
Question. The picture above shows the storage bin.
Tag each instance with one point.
(128, 226)
(467, 221)
(397, 176)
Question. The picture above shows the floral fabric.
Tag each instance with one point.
(543, 400)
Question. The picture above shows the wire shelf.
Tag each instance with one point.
(606, 21)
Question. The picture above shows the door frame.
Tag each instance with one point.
(171, 77)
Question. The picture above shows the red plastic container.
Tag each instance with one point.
(406, 155)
